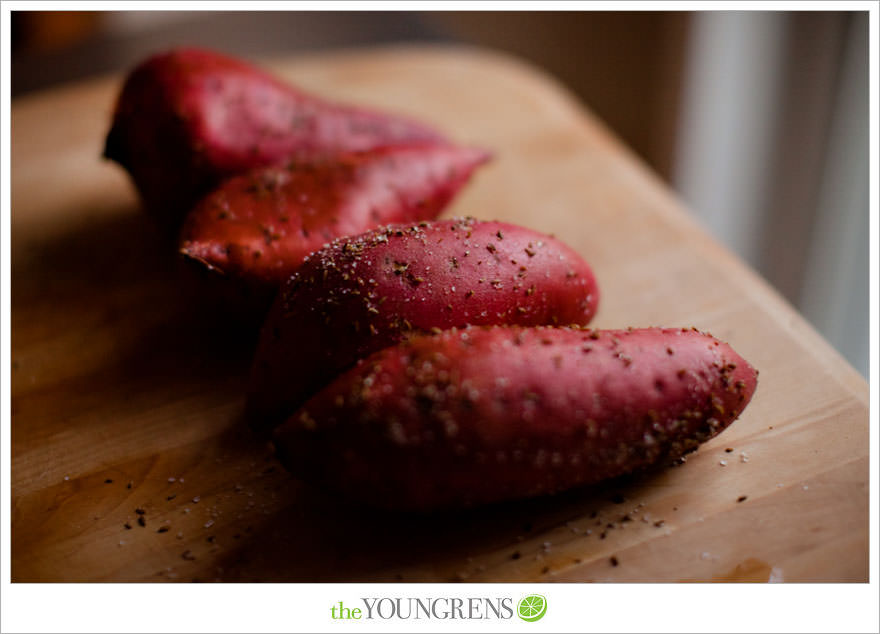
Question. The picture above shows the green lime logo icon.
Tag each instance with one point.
(532, 608)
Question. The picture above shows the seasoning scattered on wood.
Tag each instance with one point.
(729, 450)
(127, 526)
(614, 562)
(171, 497)
(162, 529)
(516, 555)
(742, 498)
(129, 485)
(187, 554)
(142, 520)
(140, 511)
(108, 481)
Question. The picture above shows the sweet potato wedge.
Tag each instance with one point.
(363, 293)
(188, 118)
(480, 415)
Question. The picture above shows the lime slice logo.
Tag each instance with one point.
(532, 608)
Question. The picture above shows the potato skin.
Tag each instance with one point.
(480, 415)
(188, 118)
(363, 293)
(258, 227)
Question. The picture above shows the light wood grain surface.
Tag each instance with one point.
(127, 394)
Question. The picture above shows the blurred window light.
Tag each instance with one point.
(773, 152)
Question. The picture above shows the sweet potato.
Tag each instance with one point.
(363, 293)
(259, 226)
(474, 416)
(188, 118)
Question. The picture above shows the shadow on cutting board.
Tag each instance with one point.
(116, 272)
(103, 320)
(318, 537)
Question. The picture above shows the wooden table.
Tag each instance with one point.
(126, 394)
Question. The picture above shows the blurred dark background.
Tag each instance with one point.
(758, 119)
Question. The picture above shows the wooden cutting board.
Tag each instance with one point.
(126, 394)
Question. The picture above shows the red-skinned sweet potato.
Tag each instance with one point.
(259, 227)
(475, 416)
(188, 118)
(363, 293)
